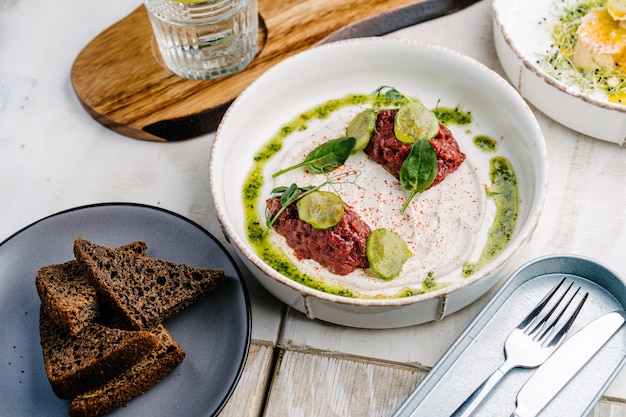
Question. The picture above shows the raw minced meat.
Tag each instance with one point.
(340, 249)
(385, 149)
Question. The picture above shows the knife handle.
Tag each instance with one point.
(473, 401)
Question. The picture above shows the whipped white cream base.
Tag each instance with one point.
(444, 226)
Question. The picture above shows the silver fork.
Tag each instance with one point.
(530, 343)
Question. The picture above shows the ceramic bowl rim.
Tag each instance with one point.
(539, 194)
(550, 80)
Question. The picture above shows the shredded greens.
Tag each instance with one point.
(558, 59)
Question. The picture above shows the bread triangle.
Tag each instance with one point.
(144, 290)
(135, 381)
(75, 364)
(68, 295)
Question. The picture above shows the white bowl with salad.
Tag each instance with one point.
(378, 182)
(568, 58)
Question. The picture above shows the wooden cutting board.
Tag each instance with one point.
(120, 81)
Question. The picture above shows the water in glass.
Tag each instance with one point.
(205, 39)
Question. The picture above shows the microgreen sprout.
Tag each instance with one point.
(557, 60)
(292, 193)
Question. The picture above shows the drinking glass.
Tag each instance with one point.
(205, 39)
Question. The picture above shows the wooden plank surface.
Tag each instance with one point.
(311, 384)
(419, 345)
(609, 408)
(248, 399)
(120, 82)
(308, 383)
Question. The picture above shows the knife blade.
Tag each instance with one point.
(564, 363)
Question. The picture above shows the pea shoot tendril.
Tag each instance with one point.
(292, 193)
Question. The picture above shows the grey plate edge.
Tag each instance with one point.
(246, 296)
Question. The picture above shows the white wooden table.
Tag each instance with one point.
(53, 156)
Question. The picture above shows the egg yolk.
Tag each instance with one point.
(601, 41)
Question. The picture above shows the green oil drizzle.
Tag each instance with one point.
(457, 116)
(504, 193)
(485, 143)
(428, 284)
(258, 234)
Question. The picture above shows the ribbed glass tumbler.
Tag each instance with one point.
(206, 39)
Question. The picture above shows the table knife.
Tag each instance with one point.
(564, 363)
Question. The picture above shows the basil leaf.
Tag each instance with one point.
(326, 157)
(419, 169)
(330, 155)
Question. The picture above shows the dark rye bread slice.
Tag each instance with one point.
(135, 381)
(144, 290)
(75, 364)
(68, 295)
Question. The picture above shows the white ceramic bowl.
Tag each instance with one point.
(435, 75)
(519, 38)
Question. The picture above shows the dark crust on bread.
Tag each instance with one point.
(75, 364)
(68, 295)
(135, 381)
(145, 290)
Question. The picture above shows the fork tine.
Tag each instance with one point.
(552, 325)
(552, 310)
(522, 348)
(543, 321)
(559, 335)
(535, 312)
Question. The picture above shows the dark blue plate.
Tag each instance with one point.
(214, 333)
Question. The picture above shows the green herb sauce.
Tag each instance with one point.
(429, 284)
(257, 231)
(485, 143)
(504, 193)
(447, 116)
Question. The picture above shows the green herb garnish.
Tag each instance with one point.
(326, 157)
(391, 94)
(419, 169)
(557, 60)
(291, 194)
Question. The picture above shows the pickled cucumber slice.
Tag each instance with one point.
(414, 122)
(361, 128)
(321, 209)
(386, 252)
